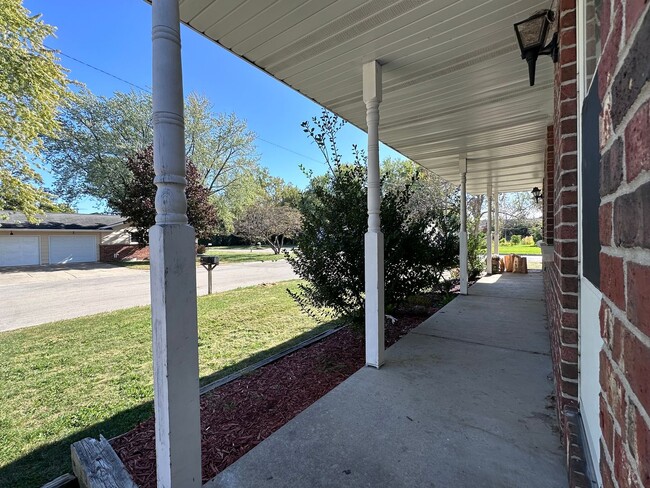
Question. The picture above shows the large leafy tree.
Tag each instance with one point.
(138, 201)
(32, 86)
(99, 133)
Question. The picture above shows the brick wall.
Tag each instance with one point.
(624, 75)
(561, 276)
(122, 252)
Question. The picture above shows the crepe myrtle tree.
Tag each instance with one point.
(138, 201)
(269, 222)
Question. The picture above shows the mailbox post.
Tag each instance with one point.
(209, 263)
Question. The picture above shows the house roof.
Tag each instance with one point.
(454, 82)
(61, 221)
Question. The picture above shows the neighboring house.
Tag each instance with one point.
(59, 238)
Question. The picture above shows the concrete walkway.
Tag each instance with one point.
(463, 401)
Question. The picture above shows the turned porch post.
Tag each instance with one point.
(462, 163)
(374, 238)
(173, 269)
(488, 234)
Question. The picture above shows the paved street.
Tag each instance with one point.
(36, 295)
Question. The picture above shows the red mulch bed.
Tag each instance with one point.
(241, 414)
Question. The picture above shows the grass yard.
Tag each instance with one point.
(76, 378)
(225, 257)
(520, 249)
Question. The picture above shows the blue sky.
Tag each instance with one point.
(115, 36)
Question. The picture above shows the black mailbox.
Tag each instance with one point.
(214, 260)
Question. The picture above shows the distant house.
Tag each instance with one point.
(59, 238)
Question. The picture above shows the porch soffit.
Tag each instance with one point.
(453, 80)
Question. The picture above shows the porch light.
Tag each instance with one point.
(537, 193)
(531, 36)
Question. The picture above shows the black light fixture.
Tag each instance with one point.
(537, 193)
(531, 36)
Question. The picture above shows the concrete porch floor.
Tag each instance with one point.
(462, 401)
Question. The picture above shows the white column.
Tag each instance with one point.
(173, 269)
(462, 163)
(374, 238)
(488, 234)
(496, 221)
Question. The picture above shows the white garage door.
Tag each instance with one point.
(73, 249)
(19, 251)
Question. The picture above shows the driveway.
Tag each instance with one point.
(36, 295)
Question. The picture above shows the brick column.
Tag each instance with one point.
(549, 185)
(624, 73)
(561, 278)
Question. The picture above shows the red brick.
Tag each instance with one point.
(633, 12)
(567, 5)
(566, 231)
(637, 368)
(638, 296)
(568, 197)
(606, 472)
(569, 354)
(605, 16)
(568, 266)
(642, 448)
(569, 336)
(568, 91)
(568, 144)
(568, 108)
(632, 218)
(611, 169)
(612, 282)
(569, 161)
(568, 20)
(567, 55)
(637, 143)
(609, 56)
(567, 37)
(619, 333)
(605, 224)
(606, 426)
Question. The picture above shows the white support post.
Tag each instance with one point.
(488, 234)
(173, 269)
(464, 278)
(496, 221)
(374, 238)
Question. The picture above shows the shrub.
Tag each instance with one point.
(528, 241)
(515, 239)
(200, 249)
(503, 242)
(330, 249)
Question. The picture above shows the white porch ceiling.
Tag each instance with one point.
(453, 80)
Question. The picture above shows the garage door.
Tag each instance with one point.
(73, 249)
(19, 251)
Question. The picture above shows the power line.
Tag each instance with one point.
(149, 91)
(98, 69)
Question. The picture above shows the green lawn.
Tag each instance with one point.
(67, 380)
(225, 257)
(520, 249)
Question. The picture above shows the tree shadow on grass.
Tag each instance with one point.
(51, 460)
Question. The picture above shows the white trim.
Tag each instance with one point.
(589, 341)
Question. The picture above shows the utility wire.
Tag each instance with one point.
(98, 69)
(149, 91)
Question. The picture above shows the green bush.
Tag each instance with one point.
(330, 250)
(515, 239)
(528, 241)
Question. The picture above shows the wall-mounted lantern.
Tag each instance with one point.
(537, 193)
(531, 36)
